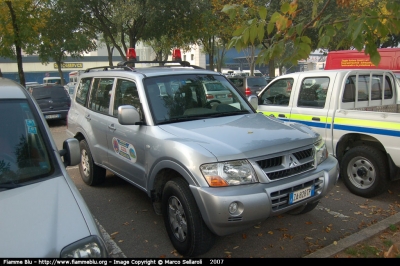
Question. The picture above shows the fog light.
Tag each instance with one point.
(233, 207)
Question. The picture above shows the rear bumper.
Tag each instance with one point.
(59, 114)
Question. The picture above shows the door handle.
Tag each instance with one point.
(112, 127)
(282, 115)
(88, 117)
(315, 119)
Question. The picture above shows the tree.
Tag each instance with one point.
(361, 29)
(59, 39)
(20, 23)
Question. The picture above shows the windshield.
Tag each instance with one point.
(23, 156)
(186, 97)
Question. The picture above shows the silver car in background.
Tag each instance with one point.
(42, 214)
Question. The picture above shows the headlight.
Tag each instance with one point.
(321, 152)
(90, 247)
(228, 173)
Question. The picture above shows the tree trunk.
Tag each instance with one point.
(59, 69)
(17, 44)
(271, 66)
(109, 54)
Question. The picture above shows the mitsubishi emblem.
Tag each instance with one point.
(292, 162)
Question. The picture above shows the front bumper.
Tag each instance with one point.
(259, 201)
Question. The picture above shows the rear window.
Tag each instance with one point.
(49, 92)
(256, 82)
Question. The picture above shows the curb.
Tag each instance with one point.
(112, 247)
(353, 239)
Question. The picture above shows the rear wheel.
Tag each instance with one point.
(91, 173)
(364, 171)
(185, 227)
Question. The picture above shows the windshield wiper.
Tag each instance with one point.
(220, 114)
(180, 119)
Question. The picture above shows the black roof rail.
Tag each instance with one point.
(105, 68)
(128, 65)
(162, 63)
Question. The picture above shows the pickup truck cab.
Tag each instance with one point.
(357, 114)
(210, 167)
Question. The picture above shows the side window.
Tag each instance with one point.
(277, 93)
(313, 92)
(125, 94)
(82, 91)
(101, 94)
(363, 84)
(237, 81)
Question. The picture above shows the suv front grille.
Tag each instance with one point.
(288, 164)
(280, 199)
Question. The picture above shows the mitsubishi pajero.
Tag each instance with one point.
(210, 168)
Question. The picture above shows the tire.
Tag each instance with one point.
(304, 209)
(364, 171)
(185, 227)
(91, 173)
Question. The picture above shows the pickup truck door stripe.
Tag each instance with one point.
(367, 123)
(368, 126)
(377, 131)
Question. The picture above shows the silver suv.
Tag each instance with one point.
(210, 169)
(43, 215)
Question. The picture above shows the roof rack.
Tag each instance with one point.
(131, 63)
(105, 68)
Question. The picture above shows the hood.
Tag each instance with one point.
(39, 220)
(248, 135)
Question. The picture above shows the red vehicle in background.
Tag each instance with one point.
(350, 59)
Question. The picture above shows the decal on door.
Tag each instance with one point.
(124, 149)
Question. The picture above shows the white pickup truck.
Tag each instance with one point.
(356, 111)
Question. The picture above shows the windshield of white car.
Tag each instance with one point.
(23, 153)
(187, 97)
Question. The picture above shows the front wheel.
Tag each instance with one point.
(364, 171)
(91, 173)
(185, 227)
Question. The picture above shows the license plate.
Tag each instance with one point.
(301, 194)
(221, 96)
(52, 116)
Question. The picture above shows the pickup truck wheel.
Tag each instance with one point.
(91, 174)
(364, 171)
(185, 227)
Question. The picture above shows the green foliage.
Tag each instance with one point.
(329, 24)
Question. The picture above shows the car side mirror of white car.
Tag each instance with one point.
(253, 99)
(71, 152)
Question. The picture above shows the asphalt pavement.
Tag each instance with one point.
(355, 238)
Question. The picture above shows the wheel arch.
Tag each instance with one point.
(161, 173)
(352, 140)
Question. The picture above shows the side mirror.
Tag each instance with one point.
(253, 99)
(128, 115)
(71, 152)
